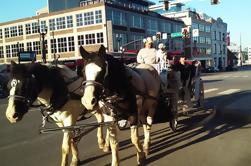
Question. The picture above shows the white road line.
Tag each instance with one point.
(244, 76)
(229, 91)
(210, 90)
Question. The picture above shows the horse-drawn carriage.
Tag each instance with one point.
(112, 91)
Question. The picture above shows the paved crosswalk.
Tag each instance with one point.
(221, 92)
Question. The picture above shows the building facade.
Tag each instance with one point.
(201, 30)
(219, 43)
(112, 23)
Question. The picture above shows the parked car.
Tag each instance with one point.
(210, 70)
(4, 78)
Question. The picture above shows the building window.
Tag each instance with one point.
(13, 31)
(215, 35)
(43, 26)
(52, 24)
(53, 46)
(195, 26)
(37, 47)
(81, 40)
(165, 27)
(14, 50)
(201, 27)
(100, 38)
(220, 36)
(152, 26)
(208, 51)
(69, 21)
(90, 38)
(8, 52)
(27, 29)
(20, 30)
(20, 47)
(202, 39)
(224, 49)
(223, 37)
(71, 44)
(35, 27)
(1, 33)
(1, 52)
(208, 29)
(29, 46)
(215, 49)
(61, 23)
(79, 19)
(208, 40)
(88, 18)
(62, 44)
(98, 16)
(118, 18)
(7, 32)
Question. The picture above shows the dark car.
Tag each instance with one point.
(210, 70)
(4, 78)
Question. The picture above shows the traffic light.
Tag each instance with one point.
(166, 5)
(214, 2)
(185, 33)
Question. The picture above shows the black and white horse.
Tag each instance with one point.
(123, 93)
(30, 82)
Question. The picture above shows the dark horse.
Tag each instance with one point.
(30, 82)
(123, 93)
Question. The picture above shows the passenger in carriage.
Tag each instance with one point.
(162, 57)
(147, 55)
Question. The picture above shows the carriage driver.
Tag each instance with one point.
(147, 55)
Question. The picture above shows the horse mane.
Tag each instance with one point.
(117, 80)
(50, 77)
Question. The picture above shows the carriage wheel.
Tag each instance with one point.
(174, 114)
(122, 124)
(201, 98)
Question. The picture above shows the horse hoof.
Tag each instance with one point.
(146, 151)
(106, 149)
(101, 146)
(141, 160)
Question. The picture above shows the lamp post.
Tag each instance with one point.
(43, 50)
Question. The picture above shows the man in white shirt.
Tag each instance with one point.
(147, 55)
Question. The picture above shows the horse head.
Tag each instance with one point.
(95, 70)
(23, 88)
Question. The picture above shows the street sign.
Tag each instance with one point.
(195, 32)
(164, 36)
(176, 34)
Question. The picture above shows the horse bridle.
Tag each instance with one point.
(94, 83)
(23, 99)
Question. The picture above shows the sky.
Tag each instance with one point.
(233, 12)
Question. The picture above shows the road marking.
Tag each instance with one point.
(244, 76)
(229, 91)
(210, 90)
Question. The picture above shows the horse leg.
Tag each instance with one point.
(106, 147)
(101, 141)
(135, 141)
(114, 144)
(147, 127)
(66, 148)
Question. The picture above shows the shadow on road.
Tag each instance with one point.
(192, 130)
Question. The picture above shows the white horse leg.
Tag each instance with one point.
(114, 144)
(101, 140)
(147, 129)
(135, 140)
(107, 142)
(65, 148)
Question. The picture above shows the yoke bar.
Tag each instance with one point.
(75, 127)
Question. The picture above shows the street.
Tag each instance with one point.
(202, 138)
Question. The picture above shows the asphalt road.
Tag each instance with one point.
(202, 139)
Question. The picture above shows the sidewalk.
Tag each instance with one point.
(237, 107)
